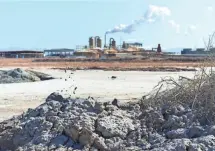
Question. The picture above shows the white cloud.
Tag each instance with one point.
(175, 26)
(153, 14)
(122, 28)
(210, 9)
(156, 12)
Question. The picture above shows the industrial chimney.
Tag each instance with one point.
(159, 48)
(105, 46)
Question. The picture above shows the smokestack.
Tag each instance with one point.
(159, 48)
(105, 46)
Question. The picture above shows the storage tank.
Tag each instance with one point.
(124, 45)
(113, 43)
(98, 42)
(91, 42)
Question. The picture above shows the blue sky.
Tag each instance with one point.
(64, 24)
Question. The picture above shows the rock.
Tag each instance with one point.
(113, 77)
(115, 144)
(208, 141)
(211, 130)
(112, 126)
(174, 145)
(195, 147)
(6, 141)
(177, 134)
(156, 139)
(99, 107)
(73, 132)
(174, 122)
(59, 141)
(55, 96)
(20, 139)
(85, 124)
(43, 138)
(153, 118)
(115, 102)
(19, 75)
(86, 137)
(99, 143)
(195, 131)
(61, 149)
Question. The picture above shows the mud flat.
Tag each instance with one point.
(16, 98)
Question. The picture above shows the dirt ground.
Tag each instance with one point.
(114, 64)
(16, 98)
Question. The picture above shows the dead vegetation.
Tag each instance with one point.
(197, 93)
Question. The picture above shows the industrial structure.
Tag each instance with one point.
(59, 52)
(22, 54)
(93, 50)
(135, 44)
(95, 42)
(197, 52)
(112, 43)
(158, 49)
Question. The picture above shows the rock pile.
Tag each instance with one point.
(65, 124)
(19, 75)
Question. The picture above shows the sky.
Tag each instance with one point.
(45, 24)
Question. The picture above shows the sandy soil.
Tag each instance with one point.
(18, 97)
(114, 64)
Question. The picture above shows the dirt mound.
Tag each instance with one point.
(85, 124)
(180, 118)
(19, 75)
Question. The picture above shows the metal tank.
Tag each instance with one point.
(98, 42)
(124, 45)
(91, 42)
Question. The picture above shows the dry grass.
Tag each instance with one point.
(198, 94)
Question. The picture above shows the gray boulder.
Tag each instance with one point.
(112, 126)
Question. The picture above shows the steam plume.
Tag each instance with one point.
(153, 14)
